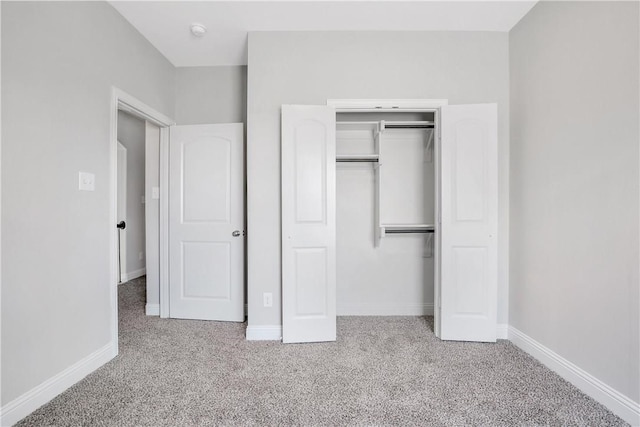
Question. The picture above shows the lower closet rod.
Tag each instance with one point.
(408, 231)
(388, 125)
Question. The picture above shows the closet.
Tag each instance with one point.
(389, 210)
(385, 205)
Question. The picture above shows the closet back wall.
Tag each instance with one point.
(395, 275)
(311, 67)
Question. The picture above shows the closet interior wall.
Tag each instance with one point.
(394, 274)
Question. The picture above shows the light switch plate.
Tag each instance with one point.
(86, 181)
(155, 192)
(267, 299)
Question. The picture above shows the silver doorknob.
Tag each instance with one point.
(236, 233)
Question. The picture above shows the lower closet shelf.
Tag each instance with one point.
(406, 229)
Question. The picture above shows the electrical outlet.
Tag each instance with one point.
(140, 255)
(267, 299)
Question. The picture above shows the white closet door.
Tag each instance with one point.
(206, 218)
(469, 222)
(308, 224)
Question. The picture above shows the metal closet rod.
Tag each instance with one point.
(410, 231)
(407, 126)
(356, 160)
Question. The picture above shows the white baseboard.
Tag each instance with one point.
(264, 333)
(502, 331)
(22, 406)
(368, 309)
(133, 275)
(618, 403)
(152, 309)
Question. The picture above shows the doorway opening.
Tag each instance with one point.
(121, 210)
(139, 145)
(132, 198)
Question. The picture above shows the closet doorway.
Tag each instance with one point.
(418, 225)
(385, 214)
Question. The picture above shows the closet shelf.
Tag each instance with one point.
(384, 110)
(407, 125)
(385, 124)
(344, 158)
(369, 126)
(406, 228)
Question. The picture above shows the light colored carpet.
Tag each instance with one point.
(381, 371)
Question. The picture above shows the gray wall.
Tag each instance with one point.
(59, 61)
(131, 134)
(207, 95)
(574, 185)
(310, 67)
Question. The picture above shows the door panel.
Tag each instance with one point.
(468, 232)
(207, 272)
(206, 198)
(311, 279)
(308, 224)
(206, 161)
(310, 165)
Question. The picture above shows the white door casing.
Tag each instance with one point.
(152, 216)
(308, 224)
(206, 222)
(121, 209)
(469, 222)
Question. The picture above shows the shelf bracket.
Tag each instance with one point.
(378, 232)
(428, 152)
(428, 246)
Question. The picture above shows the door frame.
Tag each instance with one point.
(120, 100)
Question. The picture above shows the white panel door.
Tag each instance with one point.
(469, 222)
(308, 223)
(206, 222)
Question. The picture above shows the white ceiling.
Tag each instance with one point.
(166, 23)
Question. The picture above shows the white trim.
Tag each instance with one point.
(264, 333)
(164, 221)
(123, 101)
(618, 403)
(0, 227)
(152, 309)
(386, 104)
(139, 109)
(437, 311)
(372, 309)
(502, 331)
(133, 275)
(23, 405)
